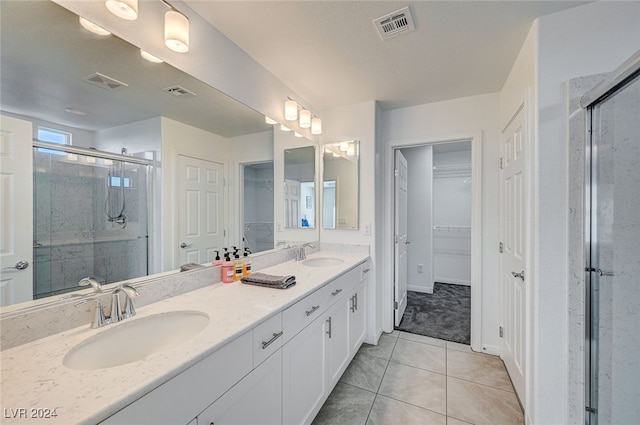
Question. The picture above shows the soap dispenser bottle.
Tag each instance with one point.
(246, 269)
(217, 262)
(227, 269)
(238, 265)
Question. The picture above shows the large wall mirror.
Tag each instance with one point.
(101, 92)
(340, 185)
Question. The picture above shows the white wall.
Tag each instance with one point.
(420, 218)
(141, 136)
(586, 40)
(459, 119)
(182, 139)
(358, 122)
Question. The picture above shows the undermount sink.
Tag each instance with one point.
(322, 262)
(135, 339)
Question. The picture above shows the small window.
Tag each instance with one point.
(53, 136)
(119, 182)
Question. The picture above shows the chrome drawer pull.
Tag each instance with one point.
(365, 270)
(336, 292)
(313, 309)
(329, 331)
(265, 344)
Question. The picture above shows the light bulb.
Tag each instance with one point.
(305, 118)
(290, 110)
(176, 31)
(90, 26)
(148, 56)
(316, 126)
(125, 9)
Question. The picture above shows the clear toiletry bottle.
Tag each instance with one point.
(238, 265)
(227, 269)
(246, 269)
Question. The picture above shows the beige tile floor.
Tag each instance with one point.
(415, 380)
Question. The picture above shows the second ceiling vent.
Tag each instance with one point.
(395, 23)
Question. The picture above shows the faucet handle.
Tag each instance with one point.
(99, 319)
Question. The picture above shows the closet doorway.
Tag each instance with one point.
(438, 264)
(257, 206)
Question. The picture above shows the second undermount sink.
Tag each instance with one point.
(322, 261)
(135, 339)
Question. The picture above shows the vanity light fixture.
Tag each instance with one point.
(91, 160)
(284, 128)
(316, 126)
(269, 120)
(108, 161)
(72, 157)
(148, 56)
(351, 149)
(90, 26)
(305, 118)
(344, 146)
(125, 9)
(176, 31)
(290, 110)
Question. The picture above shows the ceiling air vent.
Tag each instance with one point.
(178, 91)
(394, 24)
(105, 82)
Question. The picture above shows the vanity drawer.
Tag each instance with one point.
(305, 311)
(344, 283)
(267, 339)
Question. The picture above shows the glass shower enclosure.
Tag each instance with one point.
(91, 217)
(612, 252)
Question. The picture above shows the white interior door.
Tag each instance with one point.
(512, 274)
(400, 237)
(200, 210)
(16, 211)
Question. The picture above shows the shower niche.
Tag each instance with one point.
(91, 218)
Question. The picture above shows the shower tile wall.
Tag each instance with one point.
(72, 237)
(258, 208)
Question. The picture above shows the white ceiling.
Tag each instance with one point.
(329, 52)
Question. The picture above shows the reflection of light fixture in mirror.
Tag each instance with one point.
(148, 56)
(284, 128)
(335, 155)
(72, 157)
(351, 149)
(344, 146)
(91, 160)
(316, 126)
(125, 9)
(295, 133)
(90, 26)
(176, 31)
(75, 111)
(305, 118)
(269, 120)
(108, 162)
(290, 110)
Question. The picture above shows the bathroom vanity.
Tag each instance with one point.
(266, 356)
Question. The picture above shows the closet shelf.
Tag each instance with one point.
(453, 228)
(451, 168)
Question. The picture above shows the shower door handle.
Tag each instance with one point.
(185, 245)
(20, 265)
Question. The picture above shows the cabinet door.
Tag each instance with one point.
(337, 334)
(303, 374)
(357, 317)
(256, 399)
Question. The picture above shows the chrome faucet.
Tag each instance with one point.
(301, 254)
(116, 312)
(284, 244)
(91, 281)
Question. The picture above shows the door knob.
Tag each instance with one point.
(20, 265)
(520, 275)
(185, 245)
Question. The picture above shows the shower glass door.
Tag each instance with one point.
(90, 220)
(613, 259)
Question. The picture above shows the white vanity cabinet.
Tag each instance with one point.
(256, 399)
(279, 372)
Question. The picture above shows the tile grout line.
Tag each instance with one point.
(384, 373)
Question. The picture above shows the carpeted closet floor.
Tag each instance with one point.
(445, 314)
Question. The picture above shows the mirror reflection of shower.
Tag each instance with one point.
(115, 203)
(258, 232)
(91, 215)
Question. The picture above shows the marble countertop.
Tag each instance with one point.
(33, 376)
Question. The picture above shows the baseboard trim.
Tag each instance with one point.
(373, 341)
(452, 281)
(421, 289)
